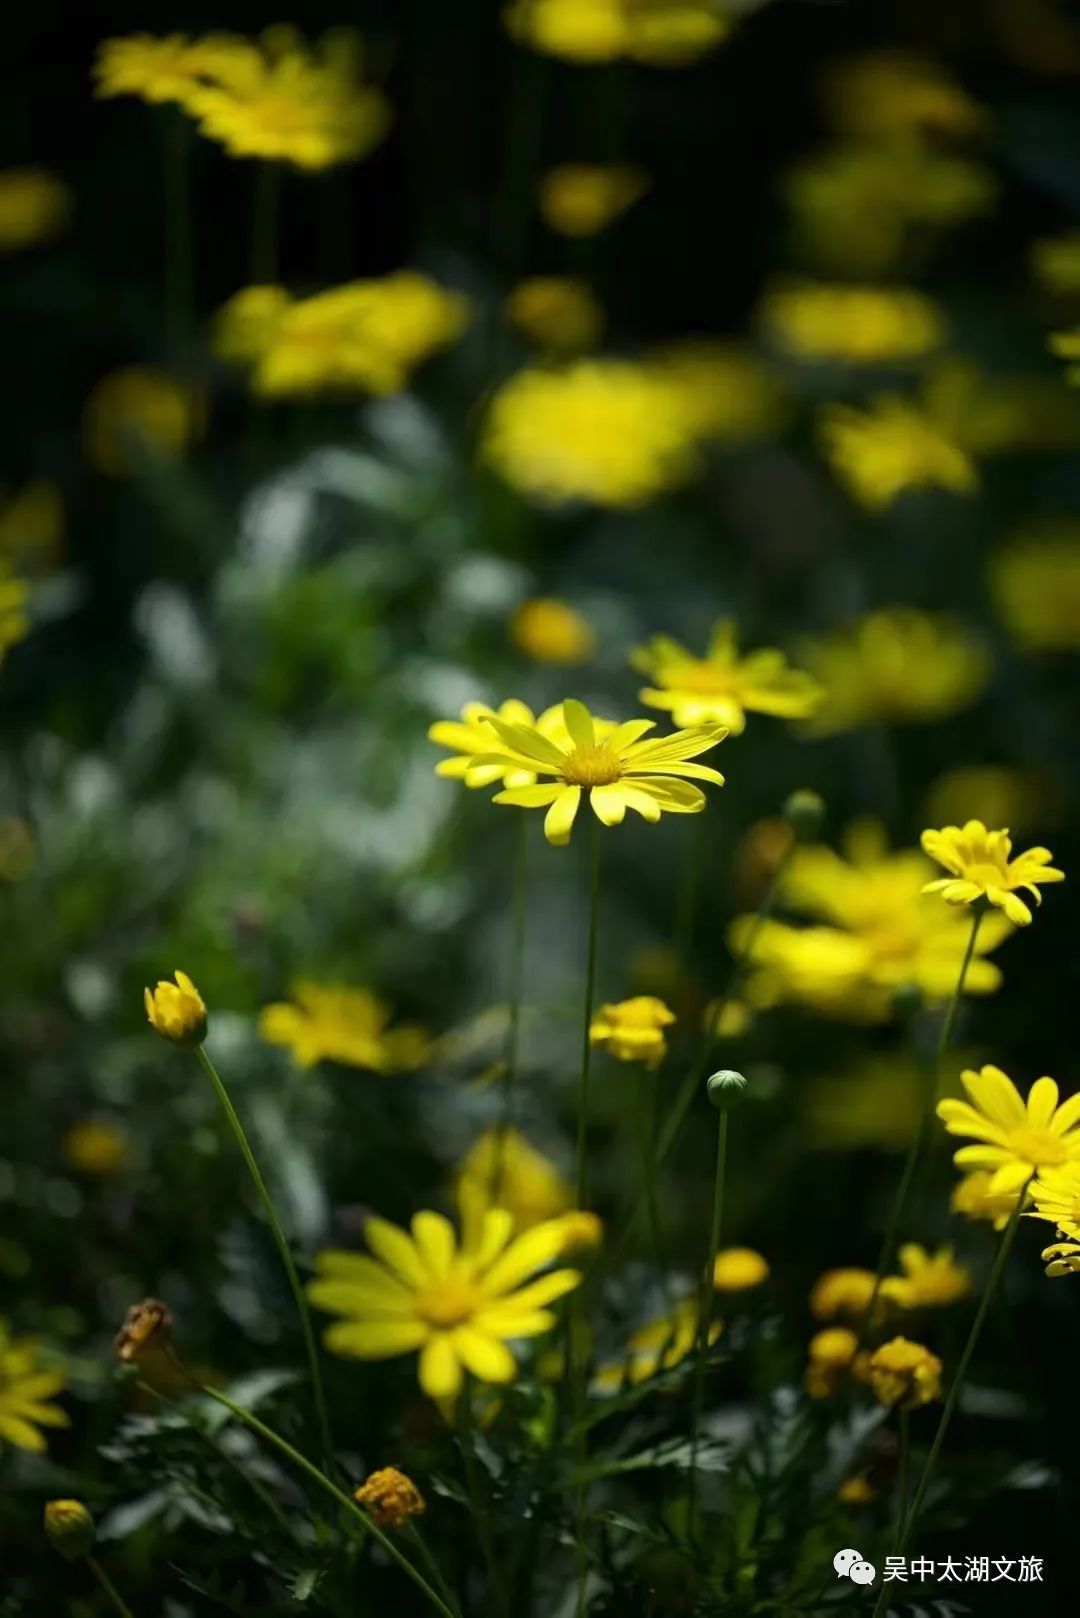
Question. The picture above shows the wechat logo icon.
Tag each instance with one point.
(850, 1565)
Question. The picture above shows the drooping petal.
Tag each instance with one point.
(440, 1368)
(608, 804)
(559, 820)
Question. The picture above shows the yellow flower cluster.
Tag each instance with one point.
(27, 1391)
(276, 98)
(333, 1022)
(856, 325)
(879, 934)
(660, 33)
(580, 199)
(366, 335)
(894, 666)
(35, 207)
(721, 685)
(1035, 581)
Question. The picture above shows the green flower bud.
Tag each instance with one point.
(725, 1089)
(69, 1528)
(804, 812)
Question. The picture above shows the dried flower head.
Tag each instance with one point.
(146, 1324)
(390, 1497)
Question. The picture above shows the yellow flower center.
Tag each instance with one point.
(596, 766)
(448, 1303)
(1038, 1146)
(707, 679)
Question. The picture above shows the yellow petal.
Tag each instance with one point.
(440, 1368)
(559, 820)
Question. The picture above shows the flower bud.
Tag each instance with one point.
(146, 1324)
(69, 1528)
(176, 1011)
(804, 812)
(725, 1089)
(391, 1497)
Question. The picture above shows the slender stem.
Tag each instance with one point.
(513, 1030)
(343, 1499)
(906, 1528)
(109, 1587)
(282, 1245)
(647, 1085)
(905, 1470)
(178, 260)
(590, 989)
(922, 1132)
(705, 1303)
(222, 1454)
(264, 224)
(478, 1500)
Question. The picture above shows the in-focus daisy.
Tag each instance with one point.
(470, 736)
(1061, 1258)
(982, 868)
(1016, 1137)
(722, 686)
(459, 1306)
(616, 771)
(1056, 1195)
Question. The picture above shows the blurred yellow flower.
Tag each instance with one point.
(556, 312)
(32, 526)
(829, 1358)
(177, 1010)
(927, 1280)
(609, 431)
(139, 412)
(1056, 1195)
(94, 1146)
(1006, 797)
(1062, 1258)
(721, 685)
(1066, 345)
(582, 1231)
(339, 1023)
(615, 769)
(988, 414)
(633, 1030)
(972, 1197)
(1016, 1137)
(14, 623)
(727, 394)
(844, 1292)
(858, 325)
(819, 967)
(895, 666)
(982, 869)
(390, 1497)
(368, 335)
(894, 93)
(283, 100)
(580, 199)
(904, 1374)
(35, 207)
(659, 1345)
(661, 33)
(1055, 262)
(891, 447)
(459, 1307)
(155, 68)
(739, 1268)
(27, 1390)
(1035, 582)
(503, 1170)
(862, 207)
(856, 1491)
(551, 631)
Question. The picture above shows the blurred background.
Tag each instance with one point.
(230, 610)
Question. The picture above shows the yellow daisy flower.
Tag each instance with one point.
(176, 1011)
(661, 33)
(633, 1030)
(26, 1393)
(470, 736)
(580, 199)
(502, 1169)
(739, 1268)
(1056, 1195)
(722, 686)
(893, 446)
(973, 1198)
(154, 68)
(457, 1306)
(842, 1292)
(659, 1345)
(982, 868)
(1017, 1137)
(928, 1280)
(551, 631)
(1062, 1258)
(616, 771)
(342, 1024)
(895, 665)
(857, 325)
(904, 1374)
(830, 1354)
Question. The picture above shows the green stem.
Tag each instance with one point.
(478, 1500)
(331, 1488)
(922, 1132)
(281, 1244)
(178, 259)
(222, 1454)
(905, 1469)
(705, 1304)
(109, 1587)
(266, 205)
(647, 1085)
(586, 1042)
(906, 1528)
(513, 1031)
